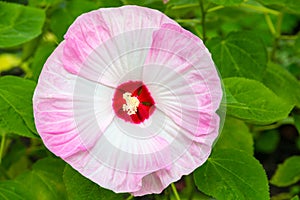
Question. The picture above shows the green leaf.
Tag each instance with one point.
(294, 68)
(250, 100)
(156, 4)
(44, 3)
(282, 83)
(19, 24)
(297, 44)
(182, 3)
(78, 187)
(182, 9)
(298, 143)
(231, 174)
(45, 180)
(291, 6)
(63, 17)
(296, 117)
(241, 54)
(141, 2)
(227, 2)
(287, 173)
(40, 57)
(16, 114)
(267, 141)
(15, 159)
(14, 190)
(295, 198)
(109, 3)
(235, 134)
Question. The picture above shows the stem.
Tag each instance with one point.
(184, 6)
(288, 120)
(260, 9)
(175, 191)
(195, 21)
(2, 147)
(288, 37)
(278, 33)
(270, 24)
(198, 33)
(130, 197)
(266, 128)
(215, 9)
(203, 20)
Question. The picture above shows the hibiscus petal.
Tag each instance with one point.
(105, 34)
(64, 104)
(151, 150)
(54, 118)
(78, 116)
(182, 77)
(128, 18)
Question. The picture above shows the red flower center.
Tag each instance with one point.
(132, 102)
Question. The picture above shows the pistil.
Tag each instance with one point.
(131, 105)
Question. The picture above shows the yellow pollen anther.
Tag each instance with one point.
(131, 103)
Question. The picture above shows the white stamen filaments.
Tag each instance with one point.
(131, 103)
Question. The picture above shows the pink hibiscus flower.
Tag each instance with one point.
(129, 99)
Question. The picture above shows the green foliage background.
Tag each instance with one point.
(255, 45)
